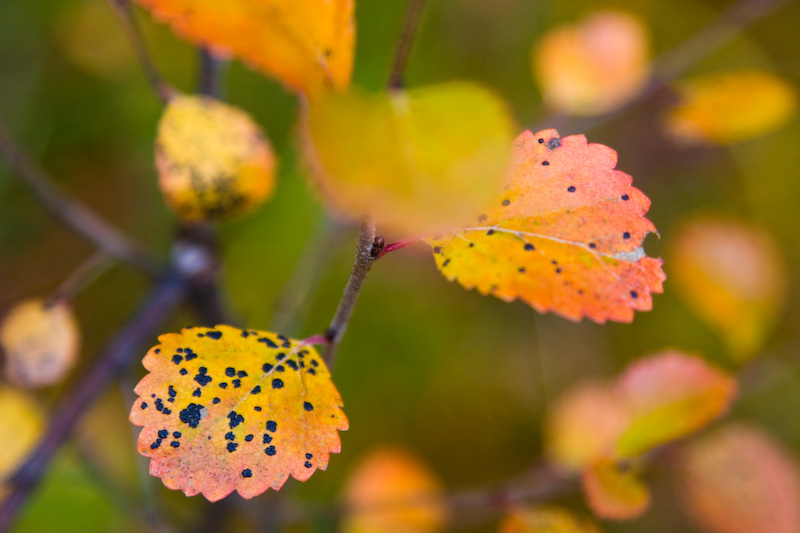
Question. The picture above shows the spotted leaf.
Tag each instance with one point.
(212, 159)
(305, 44)
(565, 235)
(226, 409)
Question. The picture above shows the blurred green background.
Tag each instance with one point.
(462, 380)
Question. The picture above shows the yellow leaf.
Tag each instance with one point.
(729, 107)
(391, 491)
(592, 67)
(670, 395)
(413, 159)
(226, 409)
(614, 492)
(305, 44)
(212, 159)
(732, 275)
(545, 519)
(584, 424)
(40, 342)
(564, 235)
(21, 424)
(739, 480)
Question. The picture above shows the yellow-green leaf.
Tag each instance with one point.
(545, 519)
(392, 491)
(564, 235)
(733, 276)
(226, 409)
(212, 159)
(413, 159)
(40, 342)
(614, 492)
(306, 44)
(594, 66)
(729, 107)
(670, 395)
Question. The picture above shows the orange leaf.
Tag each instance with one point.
(226, 409)
(565, 235)
(545, 519)
(733, 276)
(305, 44)
(212, 159)
(584, 425)
(393, 492)
(669, 396)
(729, 107)
(739, 480)
(593, 67)
(615, 492)
(40, 342)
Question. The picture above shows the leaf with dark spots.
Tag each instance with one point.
(219, 438)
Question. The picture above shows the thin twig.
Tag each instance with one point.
(405, 43)
(124, 11)
(211, 74)
(72, 213)
(113, 360)
(82, 276)
(542, 483)
(366, 254)
(676, 62)
(313, 259)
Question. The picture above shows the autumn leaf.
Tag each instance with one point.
(592, 67)
(226, 409)
(392, 491)
(21, 423)
(545, 519)
(565, 235)
(670, 395)
(40, 342)
(212, 159)
(307, 45)
(584, 424)
(739, 480)
(414, 159)
(615, 492)
(729, 107)
(732, 275)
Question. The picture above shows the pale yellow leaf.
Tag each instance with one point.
(40, 343)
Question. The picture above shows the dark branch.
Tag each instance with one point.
(210, 80)
(405, 43)
(124, 11)
(113, 360)
(364, 259)
(73, 214)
